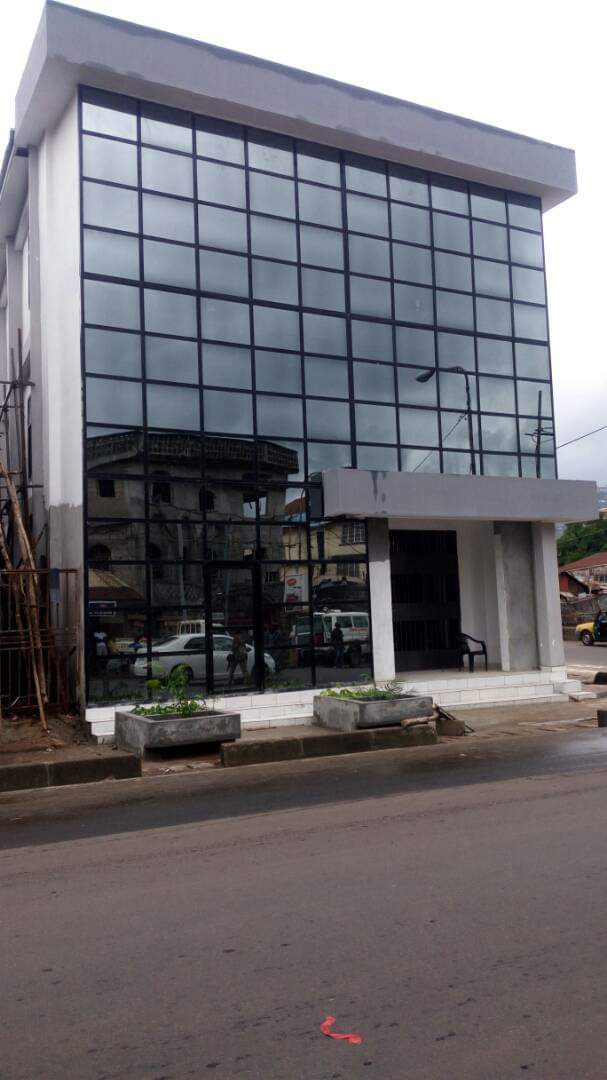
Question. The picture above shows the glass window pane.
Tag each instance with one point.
(112, 208)
(167, 172)
(423, 461)
(321, 247)
(369, 256)
(226, 365)
(453, 271)
(415, 346)
(173, 407)
(381, 458)
(528, 435)
(316, 163)
(169, 264)
(375, 423)
(368, 296)
(111, 305)
(528, 397)
(168, 217)
(105, 406)
(367, 215)
(374, 382)
(490, 240)
(323, 289)
(528, 285)
(412, 392)
(456, 349)
(115, 256)
(274, 153)
(222, 228)
(327, 378)
(526, 248)
(413, 304)
(175, 361)
(412, 263)
(328, 419)
(409, 185)
(223, 320)
(221, 184)
(328, 456)
(449, 195)
(272, 195)
(170, 313)
(324, 334)
(499, 433)
(279, 415)
(451, 232)
(275, 281)
(454, 309)
(365, 175)
(488, 204)
(532, 361)
(456, 431)
(491, 277)
(459, 463)
(371, 340)
(275, 371)
(108, 352)
(277, 239)
(410, 224)
(163, 126)
(493, 317)
(500, 465)
(217, 139)
(497, 395)
(275, 329)
(110, 115)
(453, 391)
(228, 413)
(524, 215)
(224, 273)
(494, 357)
(419, 427)
(319, 205)
(105, 159)
(530, 322)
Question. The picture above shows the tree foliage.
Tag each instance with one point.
(581, 539)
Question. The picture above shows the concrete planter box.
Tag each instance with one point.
(142, 733)
(347, 714)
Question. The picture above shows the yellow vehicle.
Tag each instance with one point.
(595, 632)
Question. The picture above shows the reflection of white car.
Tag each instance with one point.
(187, 654)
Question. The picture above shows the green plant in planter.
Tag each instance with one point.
(173, 686)
(390, 692)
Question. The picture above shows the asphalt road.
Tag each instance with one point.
(592, 656)
(448, 908)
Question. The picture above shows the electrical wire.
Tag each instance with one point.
(585, 436)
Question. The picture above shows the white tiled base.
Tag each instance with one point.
(260, 711)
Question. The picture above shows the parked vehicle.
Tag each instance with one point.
(354, 626)
(593, 633)
(185, 653)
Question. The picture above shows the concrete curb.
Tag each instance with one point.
(292, 748)
(85, 770)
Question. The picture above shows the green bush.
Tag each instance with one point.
(390, 692)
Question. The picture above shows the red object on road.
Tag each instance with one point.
(326, 1026)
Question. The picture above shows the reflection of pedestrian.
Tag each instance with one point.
(237, 658)
(101, 649)
(337, 641)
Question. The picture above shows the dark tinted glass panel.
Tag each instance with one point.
(171, 360)
(532, 361)
(216, 139)
(328, 420)
(225, 321)
(327, 378)
(324, 334)
(111, 305)
(447, 196)
(492, 278)
(529, 398)
(451, 232)
(454, 309)
(453, 271)
(170, 218)
(105, 159)
(413, 304)
(169, 264)
(368, 296)
(323, 289)
(274, 238)
(112, 208)
(412, 392)
(374, 382)
(223, 273)
(114, 256)
(526, 248)
(275, 281)
(274, 371)
(115, 497)
(524, 214)
(415, 346)
(528, 431)
(530, 322)
(499, 433)
(170, 313)
(274, 153)
(494, 357)
(500, 465)
(328, 456)
(110, 115)
(276, 329)
(166, 127)
(319, 205)
(424, 461)
(225, 365)
(453, 391)
(490, 205)
(456, 433)
(279, 415)
(456, 349)
(105, 406)
(369, 256)
(222, 228)
(497, 395)
(419, 427)
(459, 463)
(231, 414)
(173, 407)
(528, 285)
(490, 241)
(371, 340)
(375, 423)
(409, 185)
(362, 174)
(410, 224)
(412, 263)
(493, 317)
(108, 352)
(316, 164)
(321, 246)
(384, 458)
(367, 215)
(272, 195)
(162, 171)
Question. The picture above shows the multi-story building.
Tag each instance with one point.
(288, 349)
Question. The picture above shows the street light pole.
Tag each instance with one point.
(457, 370)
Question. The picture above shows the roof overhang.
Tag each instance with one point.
(73, 46)
(362, 494)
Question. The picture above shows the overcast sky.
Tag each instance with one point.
(533, 66)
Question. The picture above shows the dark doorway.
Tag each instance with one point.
(425, 599)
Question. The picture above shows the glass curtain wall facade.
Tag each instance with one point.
(255, 310)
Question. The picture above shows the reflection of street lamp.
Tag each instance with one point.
(457, 370)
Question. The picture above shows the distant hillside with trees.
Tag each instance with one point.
(581, 539)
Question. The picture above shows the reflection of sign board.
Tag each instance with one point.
(102, 608)
(296, 587)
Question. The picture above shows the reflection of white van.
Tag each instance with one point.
(196, 626)
(354, 626)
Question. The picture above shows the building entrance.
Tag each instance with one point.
(425, 599)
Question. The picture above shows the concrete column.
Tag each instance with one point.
(547, 599)
(502, 604)
(380, 589)
(516, 596)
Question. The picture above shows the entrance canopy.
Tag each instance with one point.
(365, 494)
